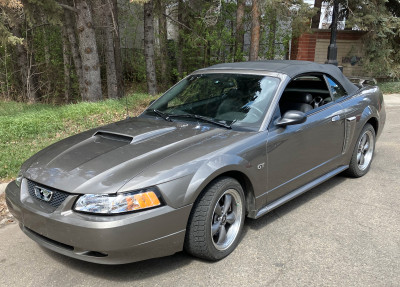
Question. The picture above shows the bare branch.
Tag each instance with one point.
(70, 8)
(110, 5)
(179, 23)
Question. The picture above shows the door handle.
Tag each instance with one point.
(335, 118)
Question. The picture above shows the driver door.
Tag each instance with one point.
(298, 154)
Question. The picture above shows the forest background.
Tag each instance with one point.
(67, 51)
(70, 65)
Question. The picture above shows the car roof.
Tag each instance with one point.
(292, 68)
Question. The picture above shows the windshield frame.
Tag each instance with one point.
(267, 114)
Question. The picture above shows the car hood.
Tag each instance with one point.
(102, 160)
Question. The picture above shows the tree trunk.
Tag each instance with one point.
(149, 48)
(67, 69)
(6, 72)
(162, 27)
(272, 35)
(179, 53)
(48, 87)
(24, 63)
(255, 31)
(88, 50)
(117, 48)
(112, 84)
(76, 57)
(315, 20)
(46, 48)
(239, 39)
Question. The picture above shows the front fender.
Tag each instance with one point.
(212, 169)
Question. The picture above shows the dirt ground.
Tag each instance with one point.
(5, 215)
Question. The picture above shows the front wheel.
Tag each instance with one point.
(363, 152)
(216, 221)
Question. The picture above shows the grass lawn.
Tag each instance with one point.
(390, 87)
(26, 129)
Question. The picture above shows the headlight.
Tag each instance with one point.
(18, 180)
(120, 203)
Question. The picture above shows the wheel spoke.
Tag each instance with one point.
(227, 203)
(362, 159)
(215, 227)
(222, 235)
(359, 157)
(366, 147)
(364, 139)
(218, 209)
(230, 218)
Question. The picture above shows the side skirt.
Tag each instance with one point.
(299, 191)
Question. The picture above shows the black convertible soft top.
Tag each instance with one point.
(291, 68)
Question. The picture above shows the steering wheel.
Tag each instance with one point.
(317, 101)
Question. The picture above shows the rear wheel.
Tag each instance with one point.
(363, 152)
(216, 221)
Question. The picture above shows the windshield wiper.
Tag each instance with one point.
(159, 113)
(204, 119)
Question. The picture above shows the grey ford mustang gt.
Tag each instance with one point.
(228, 141)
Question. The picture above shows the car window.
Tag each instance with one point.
(207, 87)
(336, 90)
(238, 99)
(305, 93)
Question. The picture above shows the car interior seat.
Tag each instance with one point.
(231, 103)
(296, 101)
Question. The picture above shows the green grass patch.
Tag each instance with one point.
(390, 87)
(25, 129)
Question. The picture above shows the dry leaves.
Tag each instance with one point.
(5, 215)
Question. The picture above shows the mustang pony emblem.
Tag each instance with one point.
(43, 194)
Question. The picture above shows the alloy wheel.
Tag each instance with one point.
(365, 150)
(226, 219)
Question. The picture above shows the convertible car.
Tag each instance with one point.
(227, 142)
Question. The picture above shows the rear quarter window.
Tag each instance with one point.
(336, 90)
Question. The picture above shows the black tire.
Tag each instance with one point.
(361, 158)
(208, 222)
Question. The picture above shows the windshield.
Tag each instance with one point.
(233, 99)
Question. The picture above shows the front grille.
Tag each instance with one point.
(55, 201)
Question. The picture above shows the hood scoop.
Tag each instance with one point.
(114, 136)
(132, 139)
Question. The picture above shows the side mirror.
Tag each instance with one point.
(291, 118)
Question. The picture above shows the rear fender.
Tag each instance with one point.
(369, 112)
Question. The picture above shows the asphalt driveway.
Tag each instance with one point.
(345, 232)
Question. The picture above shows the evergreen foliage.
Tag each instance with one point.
(39, 63)
(380, 18)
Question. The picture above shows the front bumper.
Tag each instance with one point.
(101, 239)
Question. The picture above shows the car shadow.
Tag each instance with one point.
(125, 272)
(153, 267)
